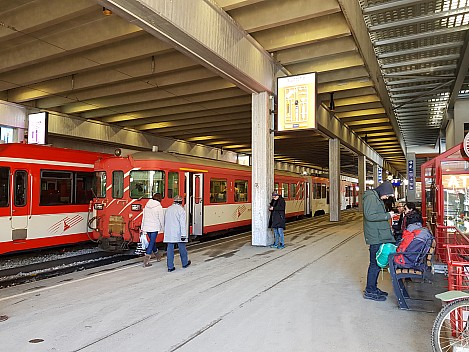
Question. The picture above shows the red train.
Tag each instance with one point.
(45, 194)
(217, 194)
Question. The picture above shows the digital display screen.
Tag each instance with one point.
(37, 128)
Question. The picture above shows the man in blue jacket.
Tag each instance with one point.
(377, 230)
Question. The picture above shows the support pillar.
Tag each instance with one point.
(262, 168)
(375, 175)
(361, 180)
(334, 179)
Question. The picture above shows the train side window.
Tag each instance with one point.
(118, 184)
(173, 184)
(323, 191)
(285, 190)
(100, 184)
(293, 191)
(83, 187)
(143, 184)
(217, 191)
(241, 191)
(4, 186)
(56, 187)
(317, 191)
(21, 187)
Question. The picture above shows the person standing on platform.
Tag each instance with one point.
(175, 232)
(152, 223)
(277, 219)
(377, 230)
(397, 222)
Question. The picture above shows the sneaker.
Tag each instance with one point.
(374, 296)
(382, 293)
(280, 246)
(273, 246)
(188, 263)
(169, 270)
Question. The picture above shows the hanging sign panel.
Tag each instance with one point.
(37, 128)
(410, 175)
(297, 97)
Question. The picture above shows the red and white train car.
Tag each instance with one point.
(217, 194)
(45, 195)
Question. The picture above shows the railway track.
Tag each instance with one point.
(50, 268)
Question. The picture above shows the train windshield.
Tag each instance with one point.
(99, 186)
(143, 184)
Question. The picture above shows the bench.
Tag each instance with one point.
(399, 276)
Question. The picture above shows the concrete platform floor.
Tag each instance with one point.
(234, 297)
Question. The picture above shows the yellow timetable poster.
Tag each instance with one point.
(297, 102)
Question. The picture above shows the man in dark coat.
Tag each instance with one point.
(277, 219)
(377, 230)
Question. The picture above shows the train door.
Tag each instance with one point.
(194, 202)
(20, 204)
(307, 195)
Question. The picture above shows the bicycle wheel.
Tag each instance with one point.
(450, 329)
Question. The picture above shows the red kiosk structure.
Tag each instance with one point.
(445, 208)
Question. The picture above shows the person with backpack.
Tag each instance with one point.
(377, 230)
(415, 244)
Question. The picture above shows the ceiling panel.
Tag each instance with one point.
(71, 58)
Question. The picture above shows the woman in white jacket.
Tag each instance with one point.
(152, 223)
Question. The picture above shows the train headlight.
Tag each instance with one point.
(136, 207)
(99, 206)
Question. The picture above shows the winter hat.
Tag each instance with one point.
(385, 189)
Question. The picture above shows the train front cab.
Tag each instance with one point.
(123, 191)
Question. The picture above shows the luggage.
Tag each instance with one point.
(413, 249)
(383, 253)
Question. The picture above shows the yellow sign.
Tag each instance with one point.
(297, 97)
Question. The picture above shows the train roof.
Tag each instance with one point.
(47, 152)
(187, 159)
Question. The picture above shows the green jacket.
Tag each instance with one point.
(376, 226)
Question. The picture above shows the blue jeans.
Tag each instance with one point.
(182, 254)
(279, 237)
(152, 244)
(373, 270)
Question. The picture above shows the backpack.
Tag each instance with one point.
(385, 249)
(413, 248)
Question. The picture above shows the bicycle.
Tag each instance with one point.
(450, 330)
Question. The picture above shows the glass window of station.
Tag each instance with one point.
(455, 181)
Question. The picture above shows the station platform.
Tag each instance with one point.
(234, 297)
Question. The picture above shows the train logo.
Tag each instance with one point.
(64, 224)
